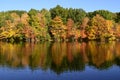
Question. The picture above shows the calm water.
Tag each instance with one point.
(60, 61)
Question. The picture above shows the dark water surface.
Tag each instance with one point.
(60, 61)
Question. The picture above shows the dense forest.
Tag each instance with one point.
(59, 24)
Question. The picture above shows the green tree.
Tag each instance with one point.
(117, 19)
(104, 13)
(76, 15)
(59, 11)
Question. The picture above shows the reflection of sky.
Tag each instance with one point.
(88, 74)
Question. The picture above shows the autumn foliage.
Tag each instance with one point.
(59, 24)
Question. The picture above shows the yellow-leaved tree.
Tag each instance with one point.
(58, 29)
(100, 29)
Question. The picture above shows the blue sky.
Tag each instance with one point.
(87, 5)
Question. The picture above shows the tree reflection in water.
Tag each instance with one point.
(60, 57)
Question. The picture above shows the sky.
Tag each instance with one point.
(87, 5)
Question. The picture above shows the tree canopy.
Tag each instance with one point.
(59, 24)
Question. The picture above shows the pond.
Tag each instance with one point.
(60, 61)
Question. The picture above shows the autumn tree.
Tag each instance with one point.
(100, 28)
(9, 30)
(57, 29)
(26, 31)
(38, 23)
(73, 33)
(70, 25)
(117, 31)
(83, 27)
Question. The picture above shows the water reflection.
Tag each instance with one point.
(60, 57)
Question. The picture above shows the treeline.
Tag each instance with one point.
(59, 24)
